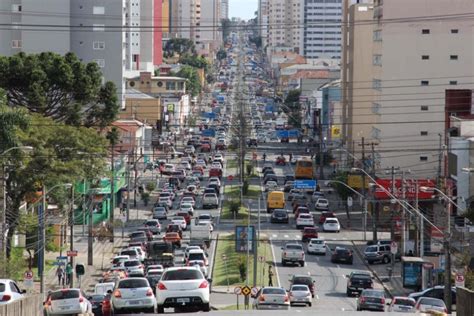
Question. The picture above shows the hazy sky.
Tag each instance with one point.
(244, 9)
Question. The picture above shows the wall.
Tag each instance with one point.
(157, 33)
(145, 110)
(465, 302)
(29, 306)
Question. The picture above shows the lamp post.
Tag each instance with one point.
(42, 240)
(4, 186)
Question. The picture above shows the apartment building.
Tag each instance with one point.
(186, 19)
(224, 9)
(262, 20)
(322, 28)
(285, 21)
(210, 23)
(413, 62)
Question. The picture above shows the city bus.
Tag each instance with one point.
(304, 169)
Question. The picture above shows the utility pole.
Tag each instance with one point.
(345, 12)
(42, 239)
(440, 160)
(128, 188)
(71, 235)
(90, 238)
(112, 193)
(321, 154)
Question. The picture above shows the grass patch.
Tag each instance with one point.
(227, 214)
(231, 164)
(226, 245)
(233, 191)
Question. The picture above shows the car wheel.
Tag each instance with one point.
(151, 310)
(160, 309)
(385, 260)
(310, 304)
(358, 309)
(302, 263)
(348, 293)
(283, 263)
(206, 307)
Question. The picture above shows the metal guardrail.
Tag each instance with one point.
(31, 305)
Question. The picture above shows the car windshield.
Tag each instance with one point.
(404, 302)
(64, 294)
(272, 291)
(317, 242)
(373, 293)
(132, 283)
(431, 301)
(299, 288)
(182, 274)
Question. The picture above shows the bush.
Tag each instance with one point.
(249, 168)
(234, 207)
(150, 186)
(145, 198)
(242, 265)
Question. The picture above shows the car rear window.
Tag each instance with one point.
(274, 291)
(373, 293)
(137, 234)
(132, 283)
(64, 294)
(299, 288)
(431, 301)
(151, 223)
(182, 274)
(196, 256)
(361, 277)
(332, 221)
(2, 287)
(404, 302)
(302, 280)
(342, 251)
(317, 242)
(295, 247)
(129, 253)
(131, 263)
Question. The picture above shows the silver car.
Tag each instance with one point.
(300, 294)
(133, 295)
(67, 302)
(271, 298)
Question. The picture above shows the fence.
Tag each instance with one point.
(464, 302)
(28, 306)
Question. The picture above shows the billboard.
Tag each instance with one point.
(244, 237)
(355, 181)
(409, 188)
(304, 184)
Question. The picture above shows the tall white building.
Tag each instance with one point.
(285, 21)
(210, 22)
(224, 9)
(262, 20)
(322, 28)
(186, 19)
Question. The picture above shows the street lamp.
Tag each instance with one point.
(42, 239)
(4, 185)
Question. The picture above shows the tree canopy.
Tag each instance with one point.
(60, 87)
(193, 85)
(178, 46)
(293, 108)
(195, 61)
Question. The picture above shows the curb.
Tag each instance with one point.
(214, 256)
(359, 254)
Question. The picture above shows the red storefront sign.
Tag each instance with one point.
(410, 189)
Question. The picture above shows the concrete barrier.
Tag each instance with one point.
(29, 306)
(464, 302)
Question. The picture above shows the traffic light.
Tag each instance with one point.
(80, 269)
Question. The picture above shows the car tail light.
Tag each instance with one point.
(383, 301)
(161, 286)
(362, 299)
(261, 298)
(286, 298)
(284, 254)
(106, 303)
(445, 310)
(6, 298)
(117, 293)
(149, 292)
(417, 306)
(47, 303)
(203, 285)
(81, 299)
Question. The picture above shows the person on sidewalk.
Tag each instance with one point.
(60, 274)
(68, 273)
(270, 275)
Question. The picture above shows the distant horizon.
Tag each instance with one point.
(243, 9)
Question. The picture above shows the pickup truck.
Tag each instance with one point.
(292, 253)
(201, 234)
(358, 281)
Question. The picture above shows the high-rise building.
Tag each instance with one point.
(262, 20)
(186, 19)
(322, 28)
(285, 18)
(224, 9)
(116, 44)
(210, 22)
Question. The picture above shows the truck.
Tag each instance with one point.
(292, 253)
(201, 234)
(159, 252)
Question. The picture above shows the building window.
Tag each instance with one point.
(377, 35)
(100, 62)
(98, 45)
(180, 85)
(453, 82)
(98, 10)
(424, 108)
(425, 31)
(377, 60)
(423, 158)
(424, 133)
(170, 85)
(16, 7)
(377, 84)
(424, 82)
(425, 57)
(98, 27)
(16, 44)
(375, 108)
(453, 57)
(454, 31)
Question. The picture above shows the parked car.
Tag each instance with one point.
(9, 291)
(371, 299)
(341, 254)
(300, 294)
(67, 302)
(133, 295)
(271, 298)
(181, 287)
(377, 253)
(435, 292)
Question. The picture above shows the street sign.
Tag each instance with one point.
(254, 291)
(237, 290)
(58, 263)
(459, 280)
(28, 275)
(246, 290)
(230, 177)
(61, 258)
(393, 247)
(72, 253)
(305, 184)
(261, 259)
(349, 201)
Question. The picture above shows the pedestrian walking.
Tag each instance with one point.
(60, 274)
(270, 275)
(264, 157)
(68, 273)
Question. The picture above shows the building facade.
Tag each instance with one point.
(262, 20)
(224, 9)
(285, 21)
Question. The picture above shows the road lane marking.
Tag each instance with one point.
(344, 276)
(343, 309)
(274, 263)
(274, 236)
(309, 273)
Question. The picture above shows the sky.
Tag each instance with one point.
(244, 9)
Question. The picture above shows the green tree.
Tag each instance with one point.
(178, 46)
(60, 87)
(62, 154)
(221, 54)
(226, 28)
(194, 61)
(292, 108)
(193, 85)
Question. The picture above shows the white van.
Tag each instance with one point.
(102, 288)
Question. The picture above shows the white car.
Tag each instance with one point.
(199, 264)
(188, 200)
(9, 291)
(190, 248)
(184, 164)
(168, 168)
(154, 272)
(331, 224)
(317, 195)
(197, 254)
(322, 204)
(133, 264)
(215, 180)
(317, 246)
(181, 287)
(271, 186)
(141, 254)
(160, 213)
(201, 162)
(425, 304)
(117, 260)
(67, 302)
(218, 157)
(166, 200)
(402, 304)
(304, 220)
(133, 295)
(210, 200)
(300, 294)
(187, 207)
(179, 220)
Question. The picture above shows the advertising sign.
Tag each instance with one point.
(410, 189)
(244, 237)
(355, 181)
(411, 274)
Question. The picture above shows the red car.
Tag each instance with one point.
(280, 161)
(325, 215)
(186, 215)
(215, 172)
(205, 147)
(309, 232)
